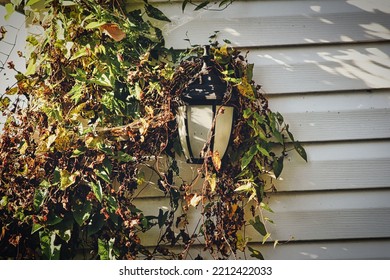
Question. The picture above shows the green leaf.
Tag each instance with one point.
(95, 224)
(263, 151)
(44, 184)
(245, 187)
(80, 53)
(53, 219)
(155, 13)
(277, 166)
(4, 103)
(64, 228)
(101, 80)
(266, 207)
(68, 3)
(97, 190)
(162, 217)
(67, 178)
(183, 5)
(32, 2)
(106, 249)
(81, 211)
(107, 166)
(35, 228)
(259, 118)
(124, 157)
(248, 156)
(300, 150)
(112, 204)
(47, 242)
(78, 152)
(31, 67)
(39, 197)
(202, 5)
(279, 117)
(290, 134)
(56, 176)
(3, 202)
(225, 3)
(10, 9)
(255, 253)
(32, 40)
(249, 71)
(101, 173)
(94, 24)
(247, 113)
(258, 226)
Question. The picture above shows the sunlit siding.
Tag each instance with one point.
(325, 66)
(14, 41)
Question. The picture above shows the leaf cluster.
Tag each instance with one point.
(97, 85)
(102, 92)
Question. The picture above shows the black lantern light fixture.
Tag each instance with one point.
(205, 120)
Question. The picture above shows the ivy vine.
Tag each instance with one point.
(102, 92)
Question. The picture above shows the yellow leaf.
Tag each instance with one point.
(216, 161)
(245, 187)
(67, 178)
(266, 237)
(62, 142)
(23, 148)
(242, 241)
(12, 91)
(75, 112)
(195, 200)
(245, 88)
(212, 182)
(50, 140)
(93, 142)
(223, 50)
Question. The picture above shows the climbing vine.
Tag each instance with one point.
(102, 93)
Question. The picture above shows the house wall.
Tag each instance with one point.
(325, 66)
(14, 41)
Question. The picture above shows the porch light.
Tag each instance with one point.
(205, 120)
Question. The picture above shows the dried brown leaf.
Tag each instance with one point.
(113, 30)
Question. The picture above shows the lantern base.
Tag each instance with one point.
(195, 161)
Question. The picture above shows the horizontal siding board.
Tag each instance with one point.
(320, 250)
(358, 165)
(330, 215)
(341, 125)
(336, 116)
(306, 216)
(332, 166)
(330, 101)
(269, 23)
(347, 250)
(320, 69)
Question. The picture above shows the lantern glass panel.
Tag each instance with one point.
(223, 129)
(182, 129)
(200, 120)
(195, 126)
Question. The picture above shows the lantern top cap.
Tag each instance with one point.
(207, 86)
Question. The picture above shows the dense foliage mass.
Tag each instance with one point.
(102, 93)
